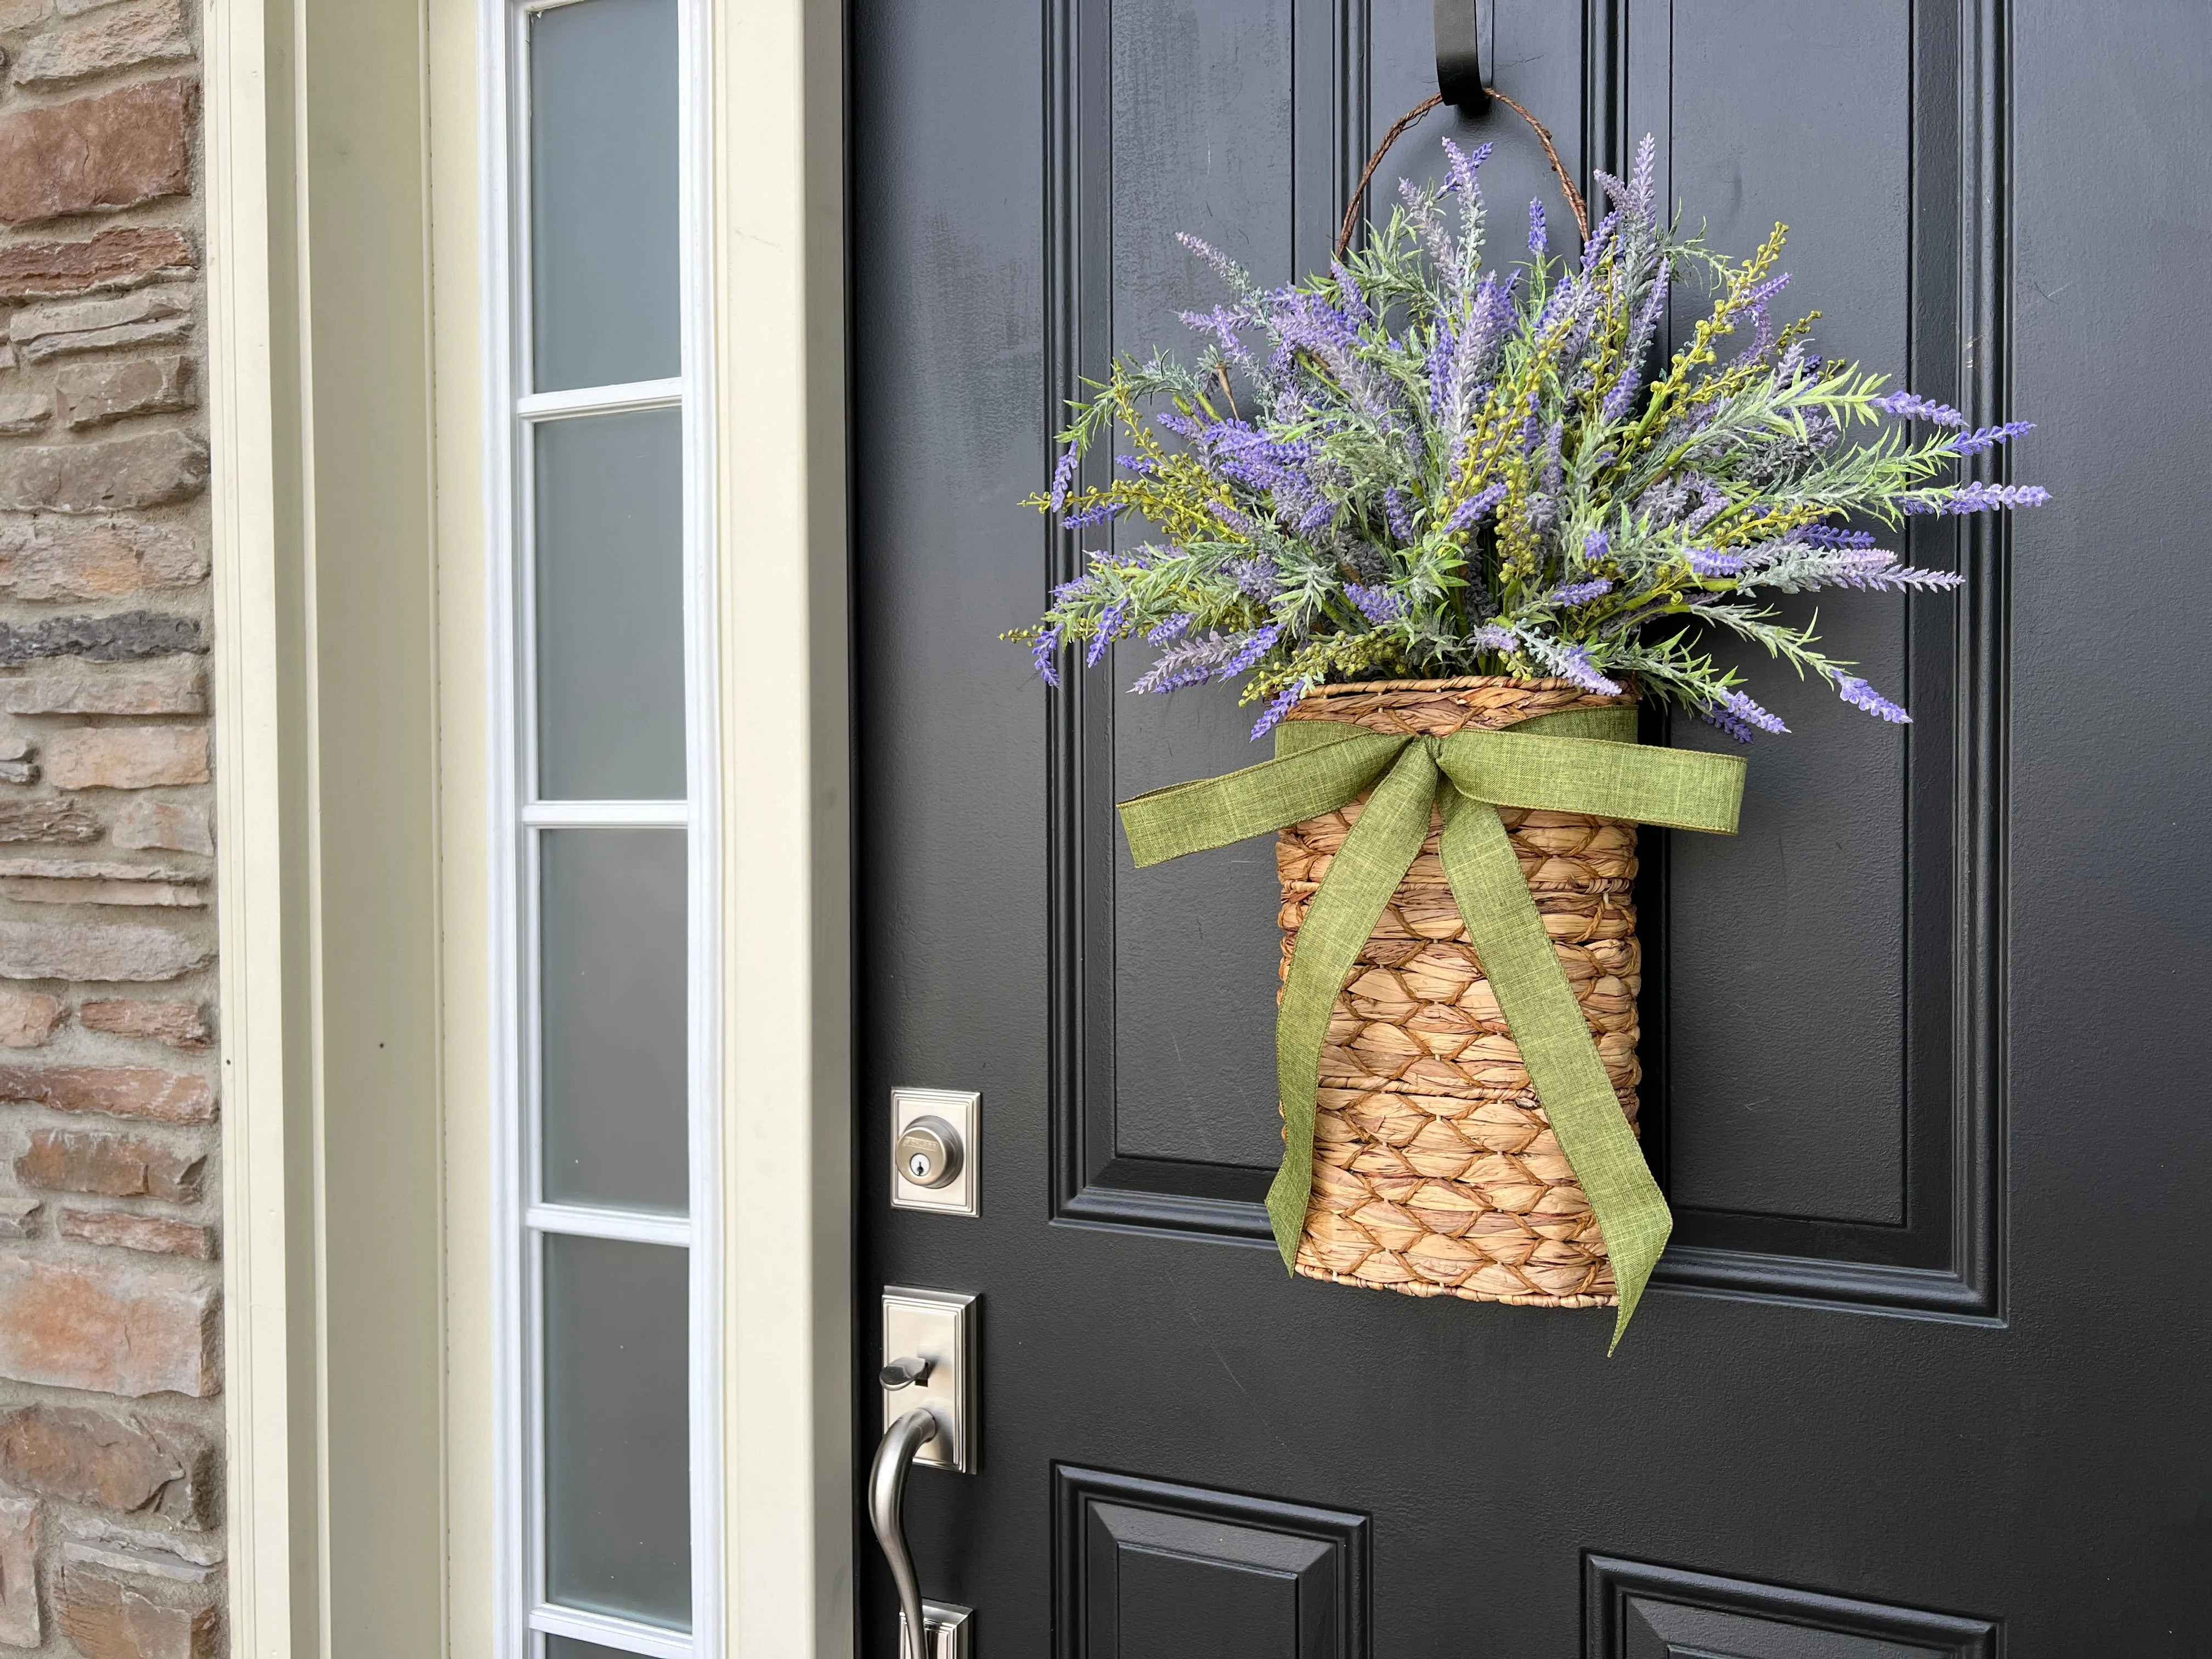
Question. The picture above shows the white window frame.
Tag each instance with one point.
(523, 1616)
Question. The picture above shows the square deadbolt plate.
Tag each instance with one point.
(963, 1111)
(938, 1326)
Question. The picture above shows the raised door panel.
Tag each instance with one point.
(1820, 997)
(1635, 1610)
(1154, 1570)
(1819, 1007)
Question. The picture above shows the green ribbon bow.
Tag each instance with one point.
(1576, 761)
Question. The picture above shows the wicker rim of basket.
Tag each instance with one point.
(1463, 683)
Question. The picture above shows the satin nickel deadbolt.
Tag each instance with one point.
(933, 1150)
(928, 1153)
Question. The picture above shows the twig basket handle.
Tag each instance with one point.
(1397, 131)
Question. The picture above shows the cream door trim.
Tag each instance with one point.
(252, 340)
(326, 820)
(778, 254)
(343, 174)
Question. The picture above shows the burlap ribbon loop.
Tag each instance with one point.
(1578, 761)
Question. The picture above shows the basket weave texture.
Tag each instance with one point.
(1436, 1172)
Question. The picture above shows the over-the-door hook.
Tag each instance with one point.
(1459, 57)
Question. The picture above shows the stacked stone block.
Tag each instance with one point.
(110, 1539)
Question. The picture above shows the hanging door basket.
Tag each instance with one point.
(1436, 1172)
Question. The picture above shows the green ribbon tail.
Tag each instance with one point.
(1523, 968)
(1677, 788)
(1380, 847)
(1318, 777)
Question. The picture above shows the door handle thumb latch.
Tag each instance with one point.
(947, 1625)
(904, 1374)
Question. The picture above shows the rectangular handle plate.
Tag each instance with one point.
(938, 1326)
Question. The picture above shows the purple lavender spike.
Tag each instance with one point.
(1978, 497)
(1910, 406)
(1714, 499)
(1599, 242)
(1728, 723)
(1063, 477)
(1221, 323)
(1097, 512)
(1538, 241)
(1750, 713)
(1223, 267)
(1253, 646)
(1255, 578)
(1860, 695)
(1473, 508)
(1443, 353)
(1572, 663)
(1353, 301)
(1826, 535)
(1188, 662)
(1762, 334)
(1284, 703)
(1378, 604)
(1639, 196)
(1044, 654)
(1973, 443)
(1111, 620)
(1623, 394)
(1395, 509)
(1580, 592)
(1173, 628)
(1463, 167)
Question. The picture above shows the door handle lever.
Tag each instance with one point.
(904, 1373)
(886, 1491)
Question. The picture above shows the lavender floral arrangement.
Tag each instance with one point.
(1413, 467)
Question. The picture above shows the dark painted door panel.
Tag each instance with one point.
(1922, 1374)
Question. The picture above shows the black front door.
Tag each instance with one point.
(1923, 1372)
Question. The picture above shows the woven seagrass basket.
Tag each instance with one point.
(1435, 1171)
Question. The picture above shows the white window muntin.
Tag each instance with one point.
(527, 1619)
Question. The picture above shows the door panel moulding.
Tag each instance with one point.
(1943, 1262)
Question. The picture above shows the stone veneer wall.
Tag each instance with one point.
(111, 1541)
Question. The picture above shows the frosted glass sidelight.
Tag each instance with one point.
(618, 1436)
(603, 193)
(609, 575)
(612, 977)
(567, 1647)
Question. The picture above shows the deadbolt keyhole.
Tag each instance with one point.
(929, 1152)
